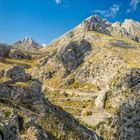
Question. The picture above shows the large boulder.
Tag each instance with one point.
(16, 73)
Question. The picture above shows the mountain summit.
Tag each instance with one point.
(27, 44)
(129, 28)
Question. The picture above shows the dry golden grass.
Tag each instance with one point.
(4, 79)
(4, 66)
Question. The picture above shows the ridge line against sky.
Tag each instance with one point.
(45, 20)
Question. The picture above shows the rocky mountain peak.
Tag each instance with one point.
(129, 28)
(131, 21)
(27, 39)
(92, 20)
(95, 23)
(132, 27)
(27, 43)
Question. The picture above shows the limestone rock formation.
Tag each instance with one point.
(4, 50)
(95, 23)
(73, 54)
(18, 54)
(26, 98)
(16, 73)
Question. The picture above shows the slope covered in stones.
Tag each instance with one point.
(94, 68)
(26, 114)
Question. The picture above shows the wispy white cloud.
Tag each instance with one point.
(58, 1)
(133, 5)
(111, 12)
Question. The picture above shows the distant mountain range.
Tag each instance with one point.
(27, 44)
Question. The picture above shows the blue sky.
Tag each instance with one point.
(45, 20)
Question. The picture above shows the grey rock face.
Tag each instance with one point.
(95, 23)
(23, 94)
(129, 122)
(4, 50)
(11, 129)
(19, 54)
(123, 44)
(102, 72)
(129, 80)
(36, 86)
(73, 54)
(39, 133)
(129, 28)
(31, 95)
(16, 73)
(133, 28)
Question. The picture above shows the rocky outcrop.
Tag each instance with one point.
(22, 94)
(133, 28)
(18, 54)
(14, 125)
(103, 71)
(129, 28)
(35, 131)
(72, 55)
(16, 73)
(10, 128)
(128, 122)
(95, 23)
(4, 50)
(27, 98)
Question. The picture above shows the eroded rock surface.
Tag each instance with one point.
(17, 73)
(4, 50)
(18, 54)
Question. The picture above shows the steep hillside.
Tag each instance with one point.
(26, 114)
(93, 72)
